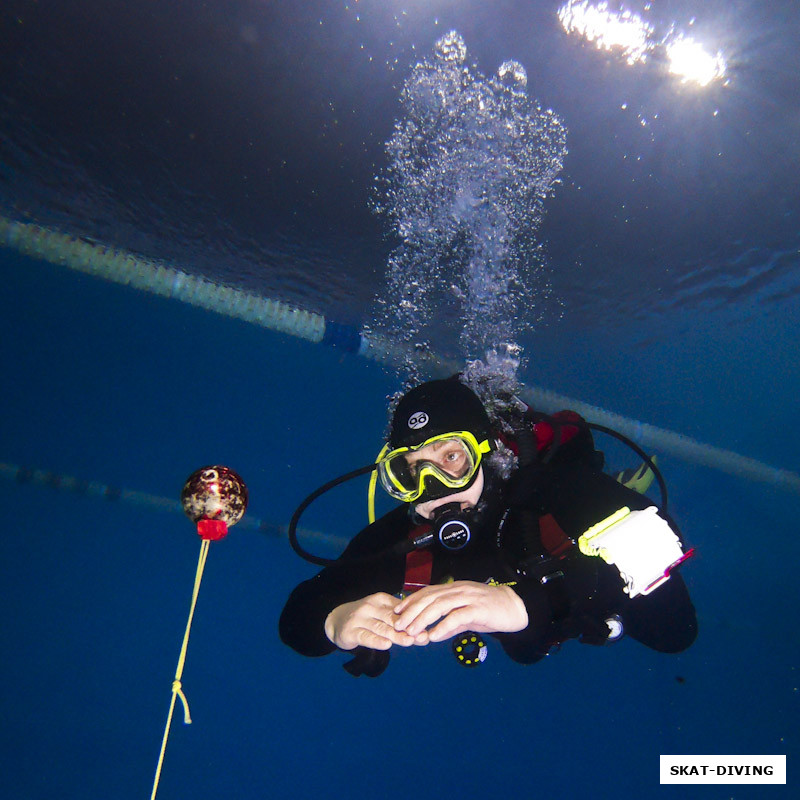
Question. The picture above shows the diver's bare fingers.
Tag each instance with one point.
(387, 631)
(437, 609)
(412, 615)
(368, 638)
(404, 602)
(458, 621)
(422, 596)
(403, 639)
(421, 601)
(409, 606)
(382, 600)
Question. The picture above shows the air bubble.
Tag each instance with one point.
(513, 75)
(451, 47)
(470, 162)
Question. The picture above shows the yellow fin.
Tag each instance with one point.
(639, 479)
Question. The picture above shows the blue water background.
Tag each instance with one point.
(108, 384)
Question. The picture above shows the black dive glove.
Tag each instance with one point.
(367, 662)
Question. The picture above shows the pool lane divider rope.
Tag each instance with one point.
(114, 494)
(145, 274)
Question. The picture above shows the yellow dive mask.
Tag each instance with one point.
(437, 467)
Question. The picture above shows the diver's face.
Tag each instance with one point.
(467, 498)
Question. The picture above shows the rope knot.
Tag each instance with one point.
(178, 690)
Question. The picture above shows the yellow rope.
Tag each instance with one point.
(177, 690)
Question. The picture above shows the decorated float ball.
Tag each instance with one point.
(214, 493)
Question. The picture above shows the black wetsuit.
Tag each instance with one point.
(579, 593)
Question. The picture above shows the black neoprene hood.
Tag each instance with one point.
(437, 407)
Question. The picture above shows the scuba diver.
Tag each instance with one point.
(512, 530)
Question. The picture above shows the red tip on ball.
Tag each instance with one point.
(212, 529)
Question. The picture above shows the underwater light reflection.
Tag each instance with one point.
(608, 29)
(636, 40)
(691, 62)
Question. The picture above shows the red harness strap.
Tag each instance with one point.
(552, 535)
(419, 564)
(545, 434)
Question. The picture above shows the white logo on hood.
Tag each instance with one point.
(419, 419)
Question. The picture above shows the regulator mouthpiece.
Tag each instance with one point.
(450, 529)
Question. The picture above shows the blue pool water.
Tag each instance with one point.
(134, 391)
(96, 592)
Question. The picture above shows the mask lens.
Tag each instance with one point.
(449, 456)
(402, 471)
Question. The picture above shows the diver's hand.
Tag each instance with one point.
(458, 607)
(368, 622)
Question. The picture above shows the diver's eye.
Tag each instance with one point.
(454, 461)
